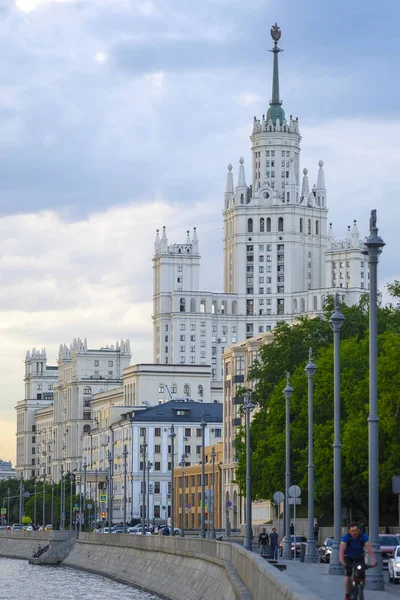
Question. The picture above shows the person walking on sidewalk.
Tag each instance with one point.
(263, 541)
(274, 543)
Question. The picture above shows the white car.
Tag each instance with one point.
(394, 566)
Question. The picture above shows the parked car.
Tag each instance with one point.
(16, 527)
(299, 540)
(29, 528)
(394, 566)
(388, 543)
(325, 550)
(48, 527)
(117, 530)
(137, 530)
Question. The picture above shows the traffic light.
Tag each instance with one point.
(103, 515)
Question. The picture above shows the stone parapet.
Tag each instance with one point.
(21, 544)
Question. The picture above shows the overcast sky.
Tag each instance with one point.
(119, 116)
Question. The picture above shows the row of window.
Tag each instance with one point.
(265, 225)
(215, 309)
(97, 363)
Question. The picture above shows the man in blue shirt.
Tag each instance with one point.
(351, 554)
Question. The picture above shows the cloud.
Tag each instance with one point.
(29, 5)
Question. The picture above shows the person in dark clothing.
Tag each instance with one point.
(166, 531)
(274, 543)
(316, 531)
(263, 541)
(292, 529)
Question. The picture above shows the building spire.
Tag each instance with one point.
(305, 190)
(275, 110)
(242, 178)
(229, 181)
(321, 176)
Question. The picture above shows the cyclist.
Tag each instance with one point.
(351, 554)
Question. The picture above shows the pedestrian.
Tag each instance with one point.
(263, 541)
(316, 531)
(165, 531)
(292, 529)
(387, 530)
(274, 543)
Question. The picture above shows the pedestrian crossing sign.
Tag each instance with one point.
(103, 497)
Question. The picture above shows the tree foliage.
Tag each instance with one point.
(288, 352)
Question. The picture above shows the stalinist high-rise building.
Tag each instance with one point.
(281, 258)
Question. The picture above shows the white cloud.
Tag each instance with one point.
(101, 57)
(29, 5)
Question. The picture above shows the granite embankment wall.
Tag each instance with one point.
(184, 568)
(20, 544)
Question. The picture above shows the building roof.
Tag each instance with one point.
(182, 412)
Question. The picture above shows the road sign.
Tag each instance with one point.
(3, 511)
(294, 500)
(27, 494)
(188, 506)
(228, 504)
(278, 497)
(64, 515)
(76, 505)
(187, 510)
(89, 506)
(294, 491)
(103, 497)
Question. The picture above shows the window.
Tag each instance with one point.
(182, 360)
(268, 224)
(166, 328)
(182, 337)
(182, 326)
(142, 431)
(87, 391)
(250, 225)
(157, 449)
(280, 224)
(309, 227)
(161, 388)
(200, 390)
(157, 431)
(173, 388)
(192, 327)
(262, 225)
(199, 434)
(182, 348)
(96, 363)
(193, 360)
(192, 348)
(261, 269)
(317, 227)
(182, 304)
(110, 363)
(198, 449)
(218, 433)
(301, 225)
(192, 338)
(186, 389)
(110, 374)
(188, 449)
(157, 467)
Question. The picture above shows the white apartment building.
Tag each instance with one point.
(280, 258)
(120, 426)
(6, 470)
(39, 380)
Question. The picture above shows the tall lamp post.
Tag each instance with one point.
(172, 436)
(44, 498)
(149, 466)
(203, 426)
(71, 490)
(96, 496)
(374, 244)
(287, 547)
(125, 454)
(213, 457)
(34, 502)
(84, 494)
(336, 322)
(144, 446)
(311, 551)
(247, 408)
(110, 489)
(182, 465)
(62, 506)
(52, 502)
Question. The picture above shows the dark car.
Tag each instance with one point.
(325, 550)
(388, 543)
(299, 540)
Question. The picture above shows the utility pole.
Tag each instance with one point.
(203, 426)
(182, 464)
(84, 494)
(149, 465)
(144, 446)
(287, 548)
(44, 498)
(172, 435)
(125, 454)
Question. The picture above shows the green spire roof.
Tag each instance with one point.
(275, 110)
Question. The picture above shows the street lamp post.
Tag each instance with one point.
(71, 484)
(110, 488)
(213, 457)
(62, 507)
(172, 435)
(96, 496)
(144, 446)
(52, 502)
(44, 498)
(336, 322)
(203, 426)
(374, 244)
(311, 551)
(287, 547)
(84, 494)
(149, 465)
(21, 497)
(34, 502)
(247, 408)
(182, 464)
(125, 454)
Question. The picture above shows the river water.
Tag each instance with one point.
(22, 581)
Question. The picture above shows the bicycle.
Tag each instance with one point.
(357, 582)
